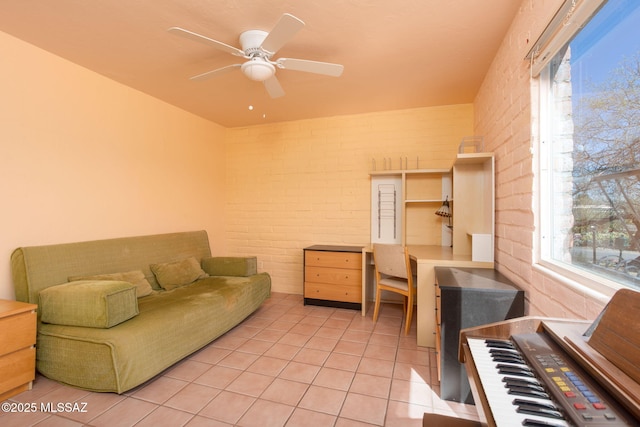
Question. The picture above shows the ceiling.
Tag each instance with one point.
(396, 54)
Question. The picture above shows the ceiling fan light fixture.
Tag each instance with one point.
(258, 69)
(258, 47)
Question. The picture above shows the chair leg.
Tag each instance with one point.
(407, 326)
(377, 306)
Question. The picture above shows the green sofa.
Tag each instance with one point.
(101, 332)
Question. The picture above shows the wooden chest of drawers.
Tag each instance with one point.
(17, 347)
(333, 276)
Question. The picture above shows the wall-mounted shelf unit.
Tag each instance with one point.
(419, 194)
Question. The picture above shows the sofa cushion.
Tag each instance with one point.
(89, 303)
(136, 278)
(230, 266)
(171, 275)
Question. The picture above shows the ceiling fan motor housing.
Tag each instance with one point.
(257, 67)
(251, 41)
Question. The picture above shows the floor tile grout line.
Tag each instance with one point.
(331, 326)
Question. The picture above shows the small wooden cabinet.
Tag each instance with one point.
(17, 347)
(333, 276)
(468, 297)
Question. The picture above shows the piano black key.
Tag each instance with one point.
(524, 382)
(527, 392)
(521, 367)
(528, 422)
(514, 370)
(538, 403)
(508, 351)
(504, 351)
(541, 412)
(507, 359)
(514, 358)
(499, 344)
(529, 387)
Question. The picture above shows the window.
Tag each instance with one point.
(589, 138)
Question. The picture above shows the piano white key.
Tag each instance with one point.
(500, 401)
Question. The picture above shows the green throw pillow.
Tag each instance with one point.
(93, 304)
(136, 277)
(171, 275)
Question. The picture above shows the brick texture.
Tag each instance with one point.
(295, 184)
(504, 112)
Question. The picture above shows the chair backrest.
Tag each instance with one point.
(392, 260)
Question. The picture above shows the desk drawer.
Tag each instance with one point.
(330, 292)
(336, 276)
(351, 260)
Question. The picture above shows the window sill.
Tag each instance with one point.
(596, 288)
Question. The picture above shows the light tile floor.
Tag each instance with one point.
(286, 365)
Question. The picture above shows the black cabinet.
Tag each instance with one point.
(468, 297)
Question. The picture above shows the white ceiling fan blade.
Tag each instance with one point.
(211, 42)
(272, 85)
(287, 27)
(216, 72)
(326, 68)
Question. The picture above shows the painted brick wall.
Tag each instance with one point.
(504, 111)
(295, 184)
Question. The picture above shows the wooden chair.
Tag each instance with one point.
(393, 273)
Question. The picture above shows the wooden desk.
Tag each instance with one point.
(427, 258)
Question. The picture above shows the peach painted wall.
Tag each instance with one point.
(86, 158)
(295, 184)
(504, 114)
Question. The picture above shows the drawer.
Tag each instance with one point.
(351, 260)
(336, 276)
(17, 368)
(17, 332)
(333, 292)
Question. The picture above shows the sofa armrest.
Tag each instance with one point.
(230, 266)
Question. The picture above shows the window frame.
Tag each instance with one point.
(553, 39)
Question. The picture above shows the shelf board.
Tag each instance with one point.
(469, 158)
(425, 201)
(411, 171)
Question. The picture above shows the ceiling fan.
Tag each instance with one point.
(258, 47)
